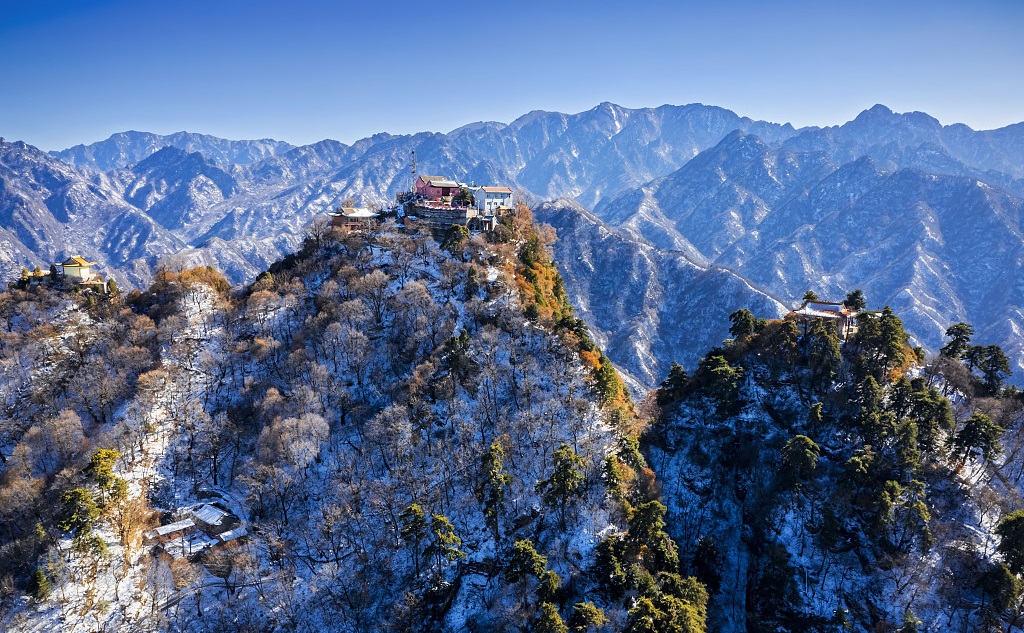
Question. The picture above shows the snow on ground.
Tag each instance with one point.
(112, 599)
(526, 389)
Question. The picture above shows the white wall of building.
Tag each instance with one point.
(491, 202)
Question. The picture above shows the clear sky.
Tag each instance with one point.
(74, 71)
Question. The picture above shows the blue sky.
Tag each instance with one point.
(74, 71)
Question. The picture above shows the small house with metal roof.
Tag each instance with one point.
(435, 187)
(838, 313)
(354, 218)
(491, 200)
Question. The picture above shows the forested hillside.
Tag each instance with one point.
(386, 431)
(815, 483)
(381, 433)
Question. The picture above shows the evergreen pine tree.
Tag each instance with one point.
(892, 339)
(799, 459)
(549, 621)
(744, 324)
(855, 300)
(78, 512)
(1011, 540)
(445, 543)
(524, 561)
(995, 367)
(565, 481)
(979, 436)
(495, 481)
(40, 585)
(959, 340)
(671, 389)
(414, 531)
(586, 617)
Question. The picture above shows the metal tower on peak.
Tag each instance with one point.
(412, 166)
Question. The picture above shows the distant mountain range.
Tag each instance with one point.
(126, 148)
(703, 211)
(923, 218)
(240, 205)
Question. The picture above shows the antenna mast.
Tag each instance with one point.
(412, 165)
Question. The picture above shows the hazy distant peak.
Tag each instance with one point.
(876, 111)
(742, 142)
(326, 144)
(125, 148)
(170, 156)
(530, 117)
(880, 114)
(479, 125)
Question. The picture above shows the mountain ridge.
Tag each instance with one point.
(716, 188)
(124, 148)
(915, 238)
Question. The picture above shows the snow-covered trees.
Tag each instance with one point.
(379, 416)
(56, 442)
(374, 289)
(887, 471)
(294, 441)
